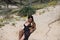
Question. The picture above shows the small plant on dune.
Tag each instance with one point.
(13, 24)
(39, 6)
(42, 12)
(17, 19)
(1, 25)
(26, 11)
(1, 20)
(52, 3)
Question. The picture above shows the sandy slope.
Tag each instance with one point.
(44, 31)
(47, 24)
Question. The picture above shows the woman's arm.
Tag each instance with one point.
(33, 27)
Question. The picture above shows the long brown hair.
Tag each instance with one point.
(31, 17)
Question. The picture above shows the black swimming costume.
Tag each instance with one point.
(26, 32)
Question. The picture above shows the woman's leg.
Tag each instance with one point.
(21, 34)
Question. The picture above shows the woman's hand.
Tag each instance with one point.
(31, 30)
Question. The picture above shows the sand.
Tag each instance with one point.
(47, 26)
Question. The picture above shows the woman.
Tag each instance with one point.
(29, 27)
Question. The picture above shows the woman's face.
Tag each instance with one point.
(30, 19)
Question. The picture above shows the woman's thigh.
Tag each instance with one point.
(21, 33)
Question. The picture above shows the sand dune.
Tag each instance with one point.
(47, 26)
